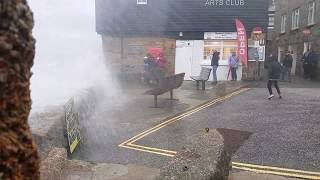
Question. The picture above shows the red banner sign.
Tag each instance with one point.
(242, 42)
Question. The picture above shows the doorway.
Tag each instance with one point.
(189, 54)
(293, 50)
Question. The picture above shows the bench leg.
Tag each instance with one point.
(155, 101)
(203, 85)
(171, 96)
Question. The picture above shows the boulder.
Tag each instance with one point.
(203, 158)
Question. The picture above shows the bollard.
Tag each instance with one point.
(221, 89)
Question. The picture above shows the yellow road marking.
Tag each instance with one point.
(295, 175)
(274, 168)
(235, 165)
(129, 143)
(152, 149)
(181, 116)
(153, 152)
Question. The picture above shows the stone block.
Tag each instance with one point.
(203, 158)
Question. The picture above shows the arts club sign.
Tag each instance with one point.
(225, 3)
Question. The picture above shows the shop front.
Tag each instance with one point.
(191, 55)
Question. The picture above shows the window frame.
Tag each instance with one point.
(283, 23)
(142, 2)
(295, 19)
(271, 20)
(311, 9)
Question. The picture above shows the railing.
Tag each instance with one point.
(72, 122)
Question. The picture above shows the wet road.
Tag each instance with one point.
(283, 133)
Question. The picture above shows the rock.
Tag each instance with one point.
(203, 158)
(48, 129)
(52, 167)
(18, 153)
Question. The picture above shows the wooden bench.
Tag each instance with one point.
(167, 84)
(203, 77)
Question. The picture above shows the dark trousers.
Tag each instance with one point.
(307, 70)
(286, 73)
(234, 74)
(275, 82)
(313, 71)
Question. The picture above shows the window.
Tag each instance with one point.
(142, 1)
(283, 23)
(311, 11)
(272, 6)
(226, 47)
(271, 21)
(295, 19)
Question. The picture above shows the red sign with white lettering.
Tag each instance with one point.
(242, 42)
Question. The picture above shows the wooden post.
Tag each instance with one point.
(155, 101)
(203, 85)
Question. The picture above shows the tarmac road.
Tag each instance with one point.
(279, 132)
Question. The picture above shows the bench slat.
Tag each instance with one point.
(167, 84)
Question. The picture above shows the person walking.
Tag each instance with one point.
(215, 64)
(287, 66)
(312, 60)
(306, 66)
(234, 64)
(274, 72)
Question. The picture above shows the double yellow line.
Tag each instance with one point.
(129, 144)
(277, 171)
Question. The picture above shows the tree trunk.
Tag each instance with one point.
(18, 154)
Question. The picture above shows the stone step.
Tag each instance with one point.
(57, 167)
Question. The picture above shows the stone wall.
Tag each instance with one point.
(253, 71)
(125, 55)
(295, 38)
(18, 153)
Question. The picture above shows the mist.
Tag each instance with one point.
(69, 55)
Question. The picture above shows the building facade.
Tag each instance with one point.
(186, 30)
(296, 29)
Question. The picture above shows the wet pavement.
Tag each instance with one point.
(278, 133)
(121, 118)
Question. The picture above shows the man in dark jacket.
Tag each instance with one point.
(312, 60)
(274, 72)
(287, 66)
(215, 64)
(306, 69)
